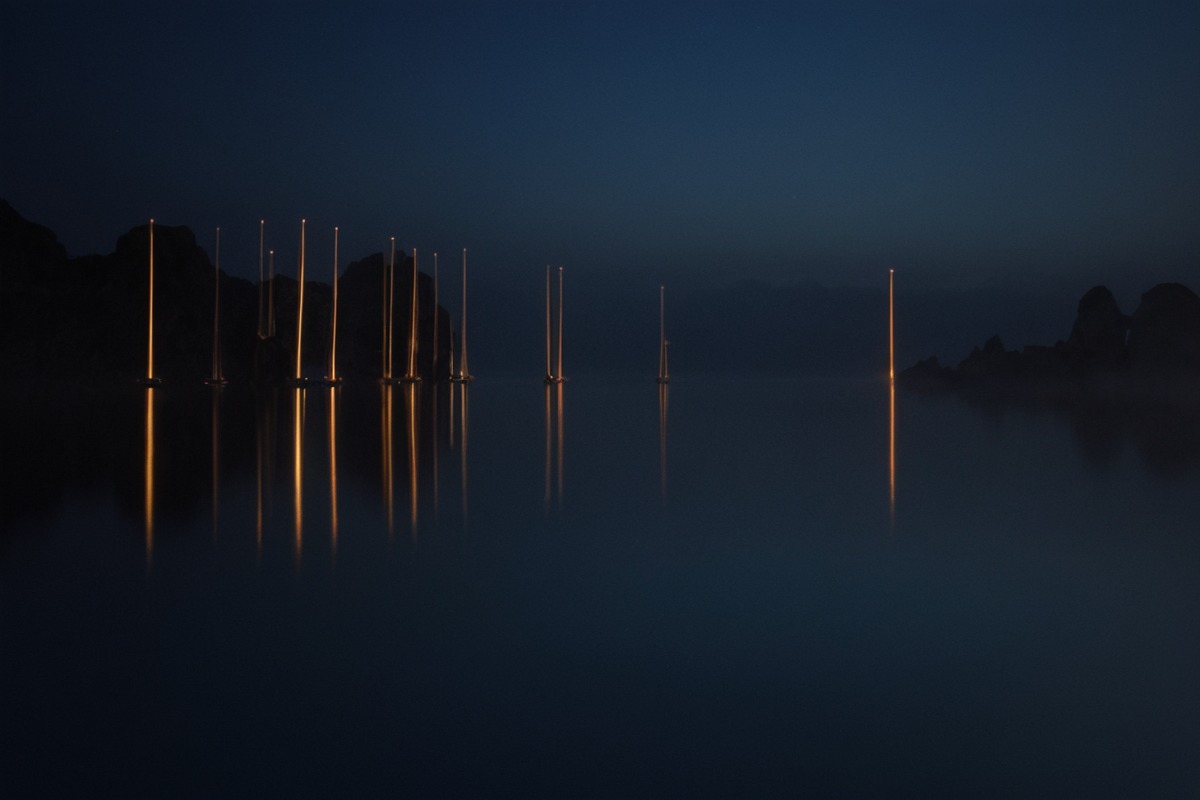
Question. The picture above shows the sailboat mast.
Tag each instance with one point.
(387, 313)
(216, 346)
(662, 336)
(261, 225)
(462, 370)
(412, 324)
(333, 321)
(434, 362)
(300, 305)
(270, 294)
(150, 347)
(559, 371)
(549, 374)
(891, 327)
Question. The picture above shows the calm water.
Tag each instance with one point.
(749, 587)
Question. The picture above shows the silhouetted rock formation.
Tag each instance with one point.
(1156, 350)
(86, 318)
(1164, 333)
(1098, 335)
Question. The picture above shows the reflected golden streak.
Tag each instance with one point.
(149, 478)
(258, 475)
(298, 471)
(892, 450)
(549, 427)
(434, 447)
(452, 420)
(463, 454)
(562, 446)
(333, 490)
(216, 457)
(385, 438)
(662, 438)
(411, 411)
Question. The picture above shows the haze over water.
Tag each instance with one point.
(747, 586)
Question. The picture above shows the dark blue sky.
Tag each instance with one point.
(963, 143)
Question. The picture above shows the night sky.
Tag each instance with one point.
(965, 144)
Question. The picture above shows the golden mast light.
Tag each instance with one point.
(300, 309)
(217, 378)
(332, 378)
(386, 346)
(464, 375)
(891, 326)
(410, 370)
(549, 370)
(663, 374)
(151, 379)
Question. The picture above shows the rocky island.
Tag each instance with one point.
(84, 320)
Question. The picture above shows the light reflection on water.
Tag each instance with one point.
(1012, 615)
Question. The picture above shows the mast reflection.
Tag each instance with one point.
(663, 389)
(298, 471)
(462, 421)
(265, 460)
(549, 428)
(892, 452)
(385, 449)
(554, 444)
(333, 488)
(410, 410)
(216, 456)
(149, 478)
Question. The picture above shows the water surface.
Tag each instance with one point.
(742, 586)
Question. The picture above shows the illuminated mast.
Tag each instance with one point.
(663, 377)
(559, 371)
(410, 375)
(150, 379)
(216, 379)
(549, 374)
(387, 314)
(463, 375)
(300, 308)
(270, 294)
(333, 377)
(261, 225)
(891, 328)
(434, 360)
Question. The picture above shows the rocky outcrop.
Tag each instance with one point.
(1098, 336)
(1159, 342)
(86, 319)
(1164, 332)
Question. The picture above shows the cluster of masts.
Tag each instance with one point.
(266, 324)
(554, 340)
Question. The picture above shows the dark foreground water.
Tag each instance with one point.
(749, 587)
